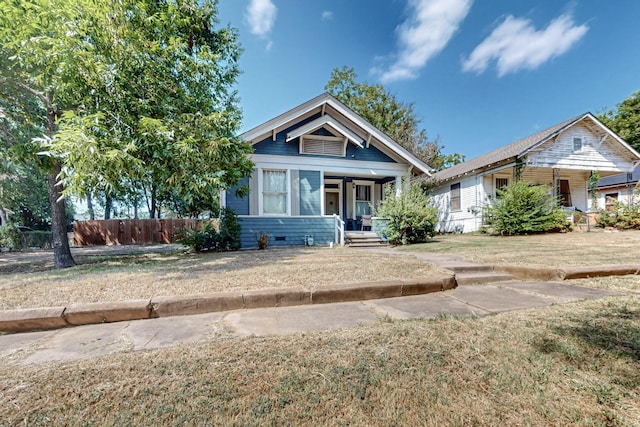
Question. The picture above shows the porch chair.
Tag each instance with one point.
(365, 222)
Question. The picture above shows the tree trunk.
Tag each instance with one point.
(152, 211)
(92, 214)
(3, 217)
(61, 249)
(108, 204)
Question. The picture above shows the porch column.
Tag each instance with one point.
(398, 186)
(556, 183)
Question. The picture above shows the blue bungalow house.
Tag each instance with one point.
(319, 168)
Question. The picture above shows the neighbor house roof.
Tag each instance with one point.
(620, 179)
(340, 118)
(511, 151)
(520, 148)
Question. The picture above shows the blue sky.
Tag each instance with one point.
(482, 74)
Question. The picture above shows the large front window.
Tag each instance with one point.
(363, 200)
(274, 192)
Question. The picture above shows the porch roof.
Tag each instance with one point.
(520, 148)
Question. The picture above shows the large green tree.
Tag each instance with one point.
(625, 119)
(162, 117)
(130, 95)
(383, 110)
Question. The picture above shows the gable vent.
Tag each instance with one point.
(326, 146)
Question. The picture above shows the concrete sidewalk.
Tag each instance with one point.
(108, 338)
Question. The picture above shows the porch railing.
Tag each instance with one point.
(339, 229)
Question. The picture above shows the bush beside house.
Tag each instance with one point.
(411, 217)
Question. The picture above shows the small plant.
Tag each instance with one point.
(263, 239)
(220, 235)
(524, 208)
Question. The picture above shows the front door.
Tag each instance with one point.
(331, 203)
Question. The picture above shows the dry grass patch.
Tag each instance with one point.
(575, 364)
(122, 277)
(549, 250)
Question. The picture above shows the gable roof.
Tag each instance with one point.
(338, 117)
(522, 147)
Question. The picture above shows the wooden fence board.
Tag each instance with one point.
(131, 231)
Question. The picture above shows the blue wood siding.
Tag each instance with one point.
(292, 229)
(310, 186)
(280, 147)
(240, 205)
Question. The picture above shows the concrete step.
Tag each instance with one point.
(360, 244)
(464, 267)
(475, 278)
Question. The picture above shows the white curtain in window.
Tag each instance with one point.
(274, 192)
(363, 200)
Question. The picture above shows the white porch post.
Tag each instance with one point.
(398, 186)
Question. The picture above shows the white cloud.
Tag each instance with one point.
(516, 45)
(261, 15)
(423, 35)
(327, 15)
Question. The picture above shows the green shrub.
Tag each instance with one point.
(411, 217)
(523, 208)
(218, 236)
(10, 238)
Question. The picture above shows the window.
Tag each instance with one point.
(577, 144)
(274, 192)
(363, 200)
(454, 203)
(500, 184)
(610, 200)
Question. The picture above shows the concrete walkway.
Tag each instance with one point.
(108, 338)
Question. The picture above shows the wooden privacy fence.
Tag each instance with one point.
(130, 231)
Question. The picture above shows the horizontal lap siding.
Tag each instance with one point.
(595, 155)
(240, 205)
(281, 147)
(293, 229)
(310, 185)
(463, 220)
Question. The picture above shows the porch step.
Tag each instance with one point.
(362, 239)
(477, 278)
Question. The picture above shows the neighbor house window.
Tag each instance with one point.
(610, 200)
(577, 144)
(454, 203)
(501, 183)
(363, 200)
(274, 192)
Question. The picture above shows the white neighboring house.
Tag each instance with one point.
(562, 157)
(617, 188)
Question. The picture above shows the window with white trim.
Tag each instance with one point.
(454, 201)
(274, 192)
(577, 144)
(363, 200)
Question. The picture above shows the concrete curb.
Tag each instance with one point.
(31, 319)
(568, 273)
